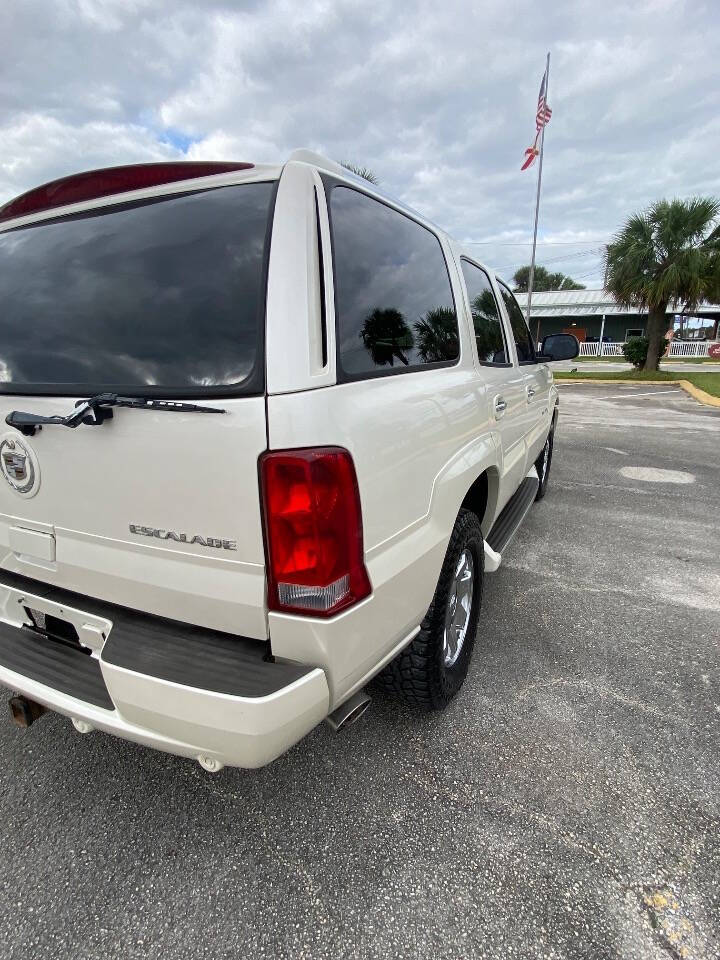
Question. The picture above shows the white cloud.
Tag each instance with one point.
(38, 148)
(438, 99)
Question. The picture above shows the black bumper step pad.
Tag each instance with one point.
(171, 650)
(195, 657)
(53, 664)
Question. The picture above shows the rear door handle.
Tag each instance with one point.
(500, 407)
(530, 393)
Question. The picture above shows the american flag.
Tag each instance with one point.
(542, 117)
(543, 110)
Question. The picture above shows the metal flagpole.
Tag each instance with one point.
(537, 208)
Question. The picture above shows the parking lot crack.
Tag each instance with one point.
(593, 688)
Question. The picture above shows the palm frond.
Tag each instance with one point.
(669, 252)
(360, 171)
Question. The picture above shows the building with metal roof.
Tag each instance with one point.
(591, 313)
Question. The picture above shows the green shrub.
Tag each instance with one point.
(635, 350)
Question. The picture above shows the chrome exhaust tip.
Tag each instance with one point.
(349, 711)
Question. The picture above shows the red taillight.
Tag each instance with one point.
(103, 183)
(313, 531)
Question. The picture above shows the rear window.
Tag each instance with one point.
(158, 297)
(394, 303)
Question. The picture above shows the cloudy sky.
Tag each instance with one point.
(437, 98)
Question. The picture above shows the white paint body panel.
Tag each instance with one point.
(418, 440)
(166, 470)
(194, 723)
(412, 481)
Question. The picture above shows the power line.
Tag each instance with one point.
(528, 243)
(574, 256)
(590, 273)
(562, 259)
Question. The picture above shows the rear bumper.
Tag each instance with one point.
(157, 682)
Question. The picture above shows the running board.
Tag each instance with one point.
(512, 515)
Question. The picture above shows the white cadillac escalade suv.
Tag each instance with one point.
(264, 429)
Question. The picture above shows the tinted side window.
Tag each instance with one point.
(523, 340)
(486, 315)
(394, 304)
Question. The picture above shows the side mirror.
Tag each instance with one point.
(559, 346)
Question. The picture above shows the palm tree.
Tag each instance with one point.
(387, 337)
(543, 280)
(487, 327)
(669, 253)
(436, 334)
(359, 171)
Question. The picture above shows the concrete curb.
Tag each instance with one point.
(707, 398)
(700, 395)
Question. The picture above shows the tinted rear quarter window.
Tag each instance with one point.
(394, 303)
(487, 323)
(161, 296)
(521, 334)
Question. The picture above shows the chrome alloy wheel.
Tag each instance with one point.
(457, 615)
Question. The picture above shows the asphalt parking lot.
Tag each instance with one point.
(567, 804)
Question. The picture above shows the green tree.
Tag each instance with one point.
(387, 336)
(436, 335)
(543, 280)
(360, 171)
(668, 254)
(487, 327)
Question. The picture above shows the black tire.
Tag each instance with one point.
(543, 466)
(420, 673)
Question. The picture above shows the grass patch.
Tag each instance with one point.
(709, 382)
(600, 359)
(689, 360)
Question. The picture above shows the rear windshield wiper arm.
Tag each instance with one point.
(96, 410)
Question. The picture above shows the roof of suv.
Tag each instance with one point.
(110, 184)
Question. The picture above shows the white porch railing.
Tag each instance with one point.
(678, 348)
(608, 350)
(689, 348)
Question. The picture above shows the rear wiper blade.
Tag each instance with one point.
(96, 410)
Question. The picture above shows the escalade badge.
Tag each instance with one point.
(183, 537)
(19, 465)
